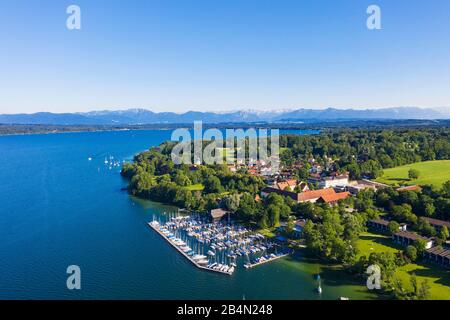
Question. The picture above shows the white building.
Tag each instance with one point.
(334, 181)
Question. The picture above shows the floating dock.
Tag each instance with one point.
(252, 265)
(154, 227)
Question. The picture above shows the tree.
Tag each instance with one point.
(213, 185)
(420, 245)
(413, 174)
(181, 179)
(354, 225)
(231, 202)
(263, 221)
(404, 213)
(290, 226)
(388, 264)
(273, 213)
(141, 183)
(411, 253)
(279, 202)
(393, 227)
(443, 233)
(418, 292)
(247, 207)
(446, 189)
(430, 209)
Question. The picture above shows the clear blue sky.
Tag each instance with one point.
(222, 54)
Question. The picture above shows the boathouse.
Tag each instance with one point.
(217, 214)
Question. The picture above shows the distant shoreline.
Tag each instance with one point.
(63, 131)
(30, 129)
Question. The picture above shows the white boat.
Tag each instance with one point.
(203, 262)
(199, 257)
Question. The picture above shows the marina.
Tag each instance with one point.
(217, 247)
(197, 261)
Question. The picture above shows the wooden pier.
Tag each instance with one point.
(252, 265)
(184, 254)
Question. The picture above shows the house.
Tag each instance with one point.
(314, 195)
(328, 195)
(409, 188)
(406, 238)
(378, 224)
(334, 180)
(290, 184)
(438, 224)
(314, 178)
(333, 199)
(217, 214)
(303, 186)
(268, 190)
(298, 226)
(438, 255)
(357, 186)
(193, 167)
(316, 168)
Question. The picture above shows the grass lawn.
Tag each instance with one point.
(371, 242)
(195, 187)
(431, 172)
(269, 233)
(438, 277)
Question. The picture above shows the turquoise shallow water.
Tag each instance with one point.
(59, 209)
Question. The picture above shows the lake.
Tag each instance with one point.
(60, 209)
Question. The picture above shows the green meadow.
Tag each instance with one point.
(438, 277)
(431, 172)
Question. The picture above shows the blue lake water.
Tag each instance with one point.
(59, 209)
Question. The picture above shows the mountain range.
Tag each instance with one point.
(143, 116)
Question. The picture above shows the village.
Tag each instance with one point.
(340, 211)
(326, 186)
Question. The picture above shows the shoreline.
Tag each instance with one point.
(78, 131)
